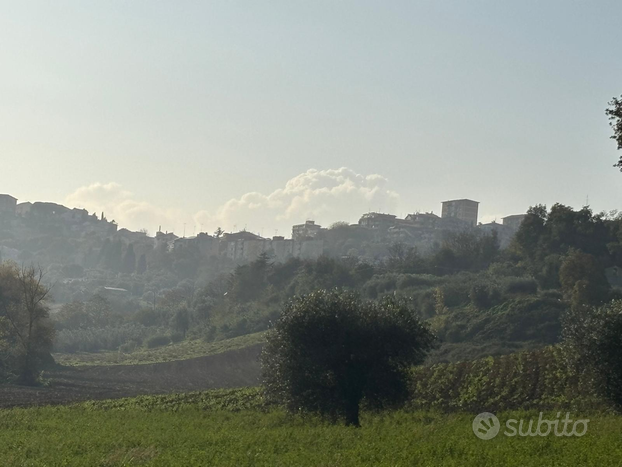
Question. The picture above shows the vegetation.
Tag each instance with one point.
(593, 345)
(224, 429)
(476, 296)
(330, 351)
(614, 112)
(178, 351)
(26, 333)
(524, 380)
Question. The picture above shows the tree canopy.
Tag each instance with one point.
(614, 112)
(331, 351)
(26, 333)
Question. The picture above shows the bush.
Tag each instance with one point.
(128, 347)
(412, 280)
(158, 341)
(552, 294)
(96, 339)
(456, 293)
(480, 297)
(593, 345)
(177, 337)
(523, 286)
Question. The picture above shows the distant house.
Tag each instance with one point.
(377, 221)
(514, 221)
(427, 220)
(8, 204)
(504, 233)
(463, 209)
(243, 245)
(114, 292)
(307, 230)
(168, 239)
(48, 209)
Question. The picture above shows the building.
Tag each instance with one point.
(8, 204)
(425, 220)
(463, 209)
(243, 245)
(168, 239)
(514, 221)
(377, 221)
(307, 230)
(23, 209)
(504, 233)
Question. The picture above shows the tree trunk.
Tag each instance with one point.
(352, 414)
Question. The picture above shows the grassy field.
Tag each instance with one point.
(229, 428)
(180, 351)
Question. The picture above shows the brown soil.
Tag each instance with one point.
(234, 368)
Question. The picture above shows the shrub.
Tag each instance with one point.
(158, 341)
(412, 280)
(552, 294)
(523, 286)
(177, 337)
(96, 339)
(480, 297)
(129, 347)
(593, 345)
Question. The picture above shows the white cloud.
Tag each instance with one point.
(120, 205)
(325, 196)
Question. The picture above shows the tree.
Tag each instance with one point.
(24, 321)
(100, 311)
(593, 345)
(614, 112)
(180, 322)
(141, 266)
(74, 316)
(583, 279)
(331, 351)
(339, 225)
(129, 260)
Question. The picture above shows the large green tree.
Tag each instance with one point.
(331, 351)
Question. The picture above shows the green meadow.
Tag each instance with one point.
(235, 428)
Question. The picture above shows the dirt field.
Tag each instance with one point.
(234, 368)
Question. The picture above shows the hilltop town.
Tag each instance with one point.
(25, 227)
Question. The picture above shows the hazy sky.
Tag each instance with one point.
(214, 113)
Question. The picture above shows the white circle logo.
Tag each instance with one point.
(486, 425)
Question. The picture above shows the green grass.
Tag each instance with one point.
(180, 351)
(229, 428)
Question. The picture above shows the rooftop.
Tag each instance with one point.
(456, 200)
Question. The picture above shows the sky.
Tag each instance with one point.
(259, 115)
